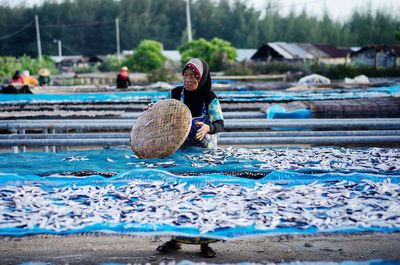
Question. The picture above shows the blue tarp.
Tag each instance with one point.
(286, 179)
(240, 96)
(41, 172)
(279, 112)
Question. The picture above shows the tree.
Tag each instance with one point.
(88, 27)
(8, 65)
(397, 34)
(217, 52)
(223, 53)
(147, 57)
(111, 63)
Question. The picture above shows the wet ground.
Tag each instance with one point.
(95, 249)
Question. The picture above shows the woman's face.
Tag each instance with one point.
(190, 81)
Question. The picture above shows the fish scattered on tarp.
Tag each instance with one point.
(322, 205)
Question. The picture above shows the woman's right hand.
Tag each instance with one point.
(148, 106)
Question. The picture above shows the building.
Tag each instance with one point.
(334, 55)
(385, 56)
(67, 63)
(244, 54)
(300, 53)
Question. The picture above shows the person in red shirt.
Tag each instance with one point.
(17, 78)
(123, 80)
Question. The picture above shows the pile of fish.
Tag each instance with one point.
(376, 160)
(321, 205)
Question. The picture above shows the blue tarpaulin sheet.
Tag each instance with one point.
(261, 96)
(279, 112)
(38, 197)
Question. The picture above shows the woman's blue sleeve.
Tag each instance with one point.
(215, 110)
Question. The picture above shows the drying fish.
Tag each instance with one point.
(263, 207)
(76, 158)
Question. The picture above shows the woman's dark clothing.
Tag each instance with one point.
(44, 80)
(209, 100)
(123, 82)
(202, 97)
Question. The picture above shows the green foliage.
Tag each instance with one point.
(147, 57)
(110, 64)
(335, 72)
(222, 54)
(341, 71)
(217, 52)
(162, 74)
(8, 65)
(200, 48)
(397, 34)
(88, 27)
(276, 68)
(263, 68)
(239, 69)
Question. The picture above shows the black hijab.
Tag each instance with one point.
(195, 100)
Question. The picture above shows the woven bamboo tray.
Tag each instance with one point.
(161, 130)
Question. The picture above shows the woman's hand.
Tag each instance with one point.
(204, 129)
(148, 106)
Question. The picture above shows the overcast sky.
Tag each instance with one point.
(338, 9)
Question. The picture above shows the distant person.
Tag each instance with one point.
(44, 77)
(17, 78)
(17, 85)
(28, 79)
(123, 80)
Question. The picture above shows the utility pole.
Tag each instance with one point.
(59, 49)
(189, 22)
(117, 36)
(38, 38)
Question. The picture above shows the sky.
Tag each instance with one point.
(338, 9)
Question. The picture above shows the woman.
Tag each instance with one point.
(123, 80)
(44, 77)
(17, 78)
(28, 79)
(204, 105)
(207, 121)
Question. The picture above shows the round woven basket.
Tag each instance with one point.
(161, 130)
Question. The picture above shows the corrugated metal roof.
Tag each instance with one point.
(277, 46)
(300, 52)
(245, 54)
(395, 49)
(290, 50)
(332, 51)
(317, 53)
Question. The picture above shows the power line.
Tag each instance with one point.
(79, 25)
(16, 32)
(64, 46)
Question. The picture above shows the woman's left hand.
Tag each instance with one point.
(204, 129)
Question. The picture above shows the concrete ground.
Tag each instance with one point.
(100, 249)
